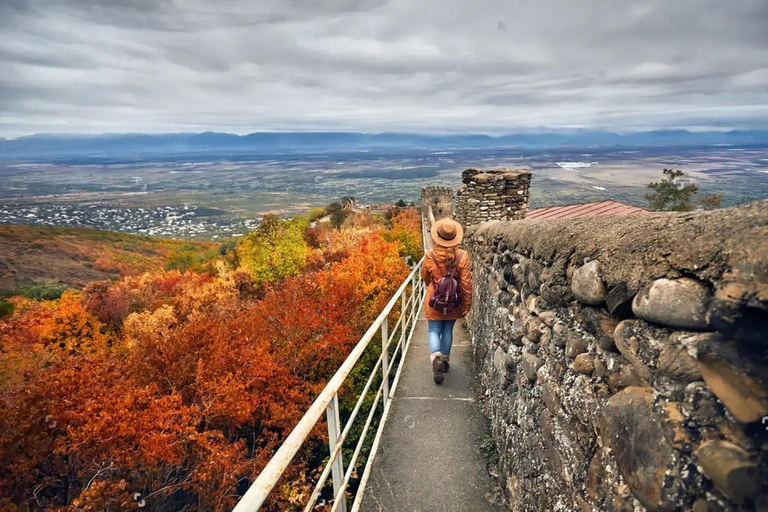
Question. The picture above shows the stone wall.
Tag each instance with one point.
(625, 360)
(497, 194)
(440, 199)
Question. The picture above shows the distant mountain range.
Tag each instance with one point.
(43, 146)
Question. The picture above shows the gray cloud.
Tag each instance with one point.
(374, 65)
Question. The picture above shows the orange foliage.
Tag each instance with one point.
(406, 229)
(176, 389)
(72, 328)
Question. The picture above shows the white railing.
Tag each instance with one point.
(328, 402)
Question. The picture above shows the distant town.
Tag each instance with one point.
(191, 222)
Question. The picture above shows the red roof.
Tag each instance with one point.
(584, 210)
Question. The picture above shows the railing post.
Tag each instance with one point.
(385, 359)
(334, 431)
(403, 316)
(416, 295)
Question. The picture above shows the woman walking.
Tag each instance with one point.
(449, 294)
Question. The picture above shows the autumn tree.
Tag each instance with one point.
(711, 201)
(406, 229)
(337, 213)
(192, 257)
(276, 249)
(670, 193)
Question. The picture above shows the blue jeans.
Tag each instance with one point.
(440, 336)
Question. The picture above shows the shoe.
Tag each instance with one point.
(437, 369)
(446, 366)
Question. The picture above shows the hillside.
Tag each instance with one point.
(31, 255)
(172, 389)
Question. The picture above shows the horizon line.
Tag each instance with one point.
(479, 133)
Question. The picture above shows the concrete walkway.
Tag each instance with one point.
(429, 457)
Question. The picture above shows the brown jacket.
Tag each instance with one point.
(432, 271)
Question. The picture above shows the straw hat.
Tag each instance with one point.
(447, 232)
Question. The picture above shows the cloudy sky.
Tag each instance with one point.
(90, 66)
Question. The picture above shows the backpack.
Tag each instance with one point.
(446, 295)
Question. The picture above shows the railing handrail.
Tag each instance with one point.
(260, 489)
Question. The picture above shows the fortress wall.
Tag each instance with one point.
(625, 360)
(441, 201)
(497, 194)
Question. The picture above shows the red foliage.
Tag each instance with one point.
(171, 388)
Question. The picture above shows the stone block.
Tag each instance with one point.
(675, 362)
(731, 469)
(556, 294)
(532, 276)
(518, 272)
(559, 337)
(517, 332)
(548, 317)
(744, 396)
(531, 365)
(532, 302)
(651, 349)
(546, 336)
(639, 436)
(534, 328)
(575, 345)
(587, 284)
(678, 303)
(600, 325)
(584, 363)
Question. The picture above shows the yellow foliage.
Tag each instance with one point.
(71, 328)
(274, 251)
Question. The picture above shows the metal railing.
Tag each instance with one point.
(328, 402)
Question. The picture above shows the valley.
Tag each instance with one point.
(209, 197)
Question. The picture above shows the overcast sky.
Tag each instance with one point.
(90, 66)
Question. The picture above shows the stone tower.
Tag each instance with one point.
(496, 194)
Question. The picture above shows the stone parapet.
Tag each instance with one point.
(438, 201)
(625, 360)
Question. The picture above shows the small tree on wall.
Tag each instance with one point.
(711, 201)
(670, 194)
(337, 213)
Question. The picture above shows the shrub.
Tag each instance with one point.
(6, 308)
(275, 250)
(192, 257)
(50, 291)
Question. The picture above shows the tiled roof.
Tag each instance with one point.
(583, 210)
